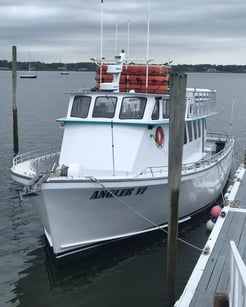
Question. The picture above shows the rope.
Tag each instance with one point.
(161, 228)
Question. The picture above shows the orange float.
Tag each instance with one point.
(133, 77)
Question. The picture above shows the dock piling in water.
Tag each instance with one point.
(176, 141)
(244, 164)
(14, 105)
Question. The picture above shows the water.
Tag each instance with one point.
(130, 274)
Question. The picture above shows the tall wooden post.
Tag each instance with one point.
(176, 141)
(15, 116)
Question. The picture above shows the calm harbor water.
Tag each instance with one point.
(130, 274)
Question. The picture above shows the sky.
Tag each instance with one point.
(182, 31)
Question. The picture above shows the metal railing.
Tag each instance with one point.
(237, 279)
(200, 103)
(35, 153)
(213, 159)
(40, 160)
(203, 163)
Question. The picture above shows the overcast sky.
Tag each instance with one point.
(184, 31)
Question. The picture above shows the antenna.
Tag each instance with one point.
(116, 37)
(101, 47)
(147, 51)
(128, 39)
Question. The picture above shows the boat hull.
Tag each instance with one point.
(83, 214)
(28, 76)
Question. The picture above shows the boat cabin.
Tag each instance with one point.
(122, 133)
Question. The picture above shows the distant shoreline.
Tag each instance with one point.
(89, 66)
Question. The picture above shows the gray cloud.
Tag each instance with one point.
(186, 31)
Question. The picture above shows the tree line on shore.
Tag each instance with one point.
(89, 66)
(81, 66)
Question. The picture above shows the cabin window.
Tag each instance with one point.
(156, 111)
(104, 107)
(199, 128)
(165, 108)
(189, 127)
(81, 105)
(185, 136)
(195, 129)
(133, 107)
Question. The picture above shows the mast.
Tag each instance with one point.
(147, 51)
(128, 39)
(101, 43)
(116, 38)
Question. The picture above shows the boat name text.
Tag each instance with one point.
(117, 193)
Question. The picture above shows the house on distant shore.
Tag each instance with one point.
(211, 70)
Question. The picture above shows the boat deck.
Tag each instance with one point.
(211, 275)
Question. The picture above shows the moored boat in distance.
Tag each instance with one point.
(31, 74)
(64, 72)
(109, 179)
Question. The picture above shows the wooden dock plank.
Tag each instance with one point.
(241, 244)
(216, 276)
(236, 230)
(210, 279)
(210, 267)
(241, 196)
(203, 299)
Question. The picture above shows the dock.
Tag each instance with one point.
(219, 277)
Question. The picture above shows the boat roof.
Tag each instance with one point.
(105, 93)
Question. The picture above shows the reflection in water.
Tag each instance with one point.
(105, 273)
(128, 273)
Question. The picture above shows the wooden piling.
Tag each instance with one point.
(244, 164)
(14, 105)
(176, 141)
(221, 300)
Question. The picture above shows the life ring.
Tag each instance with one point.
(159, 137)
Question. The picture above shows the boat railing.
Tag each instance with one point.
(200, 103)
(201, 164)
(45, 156)
(154, 170)
(217, 136)
(237, 295)
(214, 158)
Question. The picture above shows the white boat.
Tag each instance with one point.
(30, 74)
(109, 179)
(64, 72)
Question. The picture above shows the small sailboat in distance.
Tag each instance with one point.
(65, 72)
(30, 74)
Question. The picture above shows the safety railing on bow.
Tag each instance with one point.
(39, 158)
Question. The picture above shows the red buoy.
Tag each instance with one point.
(215, 211)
